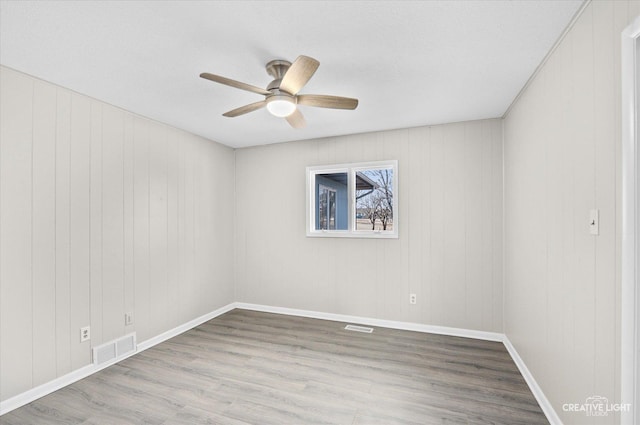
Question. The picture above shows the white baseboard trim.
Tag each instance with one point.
(44, 389)
(78, 374)
(406, 326)
(184, 327)
(544, 403)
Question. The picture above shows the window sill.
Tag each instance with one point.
(348, 234)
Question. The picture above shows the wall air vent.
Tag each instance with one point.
(114, 350)
(356, 328)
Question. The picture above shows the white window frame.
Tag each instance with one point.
(350, 169)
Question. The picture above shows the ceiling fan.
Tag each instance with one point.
(281, 95)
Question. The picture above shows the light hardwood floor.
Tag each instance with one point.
(246, 367)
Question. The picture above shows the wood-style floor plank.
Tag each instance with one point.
(247, 367)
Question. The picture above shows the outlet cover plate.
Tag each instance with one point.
(85, 334)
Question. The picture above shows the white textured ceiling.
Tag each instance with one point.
(409, 63)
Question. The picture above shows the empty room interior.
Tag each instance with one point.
(319, 212)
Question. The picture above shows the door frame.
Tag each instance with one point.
(630, 288)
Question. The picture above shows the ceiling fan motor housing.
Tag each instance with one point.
(277, 68)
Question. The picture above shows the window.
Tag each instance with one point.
(353, 200)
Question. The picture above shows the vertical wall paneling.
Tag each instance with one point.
(141, 229)
(435, 232)
(439, 254)
(95, 221)
(181, 228)
(62, 218)
(423, 203)
(474, 212)
(584, 190)
(158, 302)
(497, 212)
(198, 237)
(96, 266)
(221, 225)
(128, 210)
(487, 228)
(605, 199)
(454, 226)
(173, 255)
(44, 233)
(554, 216)
(562, 158)
(566, 198)
(417, 179)
(16, 225)
(189, 280)
(112, 223)
(80, 230)
(401, 150)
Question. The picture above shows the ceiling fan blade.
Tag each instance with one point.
(245, 109)
(298, 74)
(234, 83)
(296, 120)
(324, 101)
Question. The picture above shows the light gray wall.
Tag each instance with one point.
(450, 247)
(101, 212)
(562, 158)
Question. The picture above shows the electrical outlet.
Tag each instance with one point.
(85, 334)
(128, 319)
(413, 299)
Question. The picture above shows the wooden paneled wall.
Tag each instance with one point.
(562, 158)
(102, 212)
(449, 251)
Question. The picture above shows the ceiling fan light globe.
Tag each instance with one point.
(281, 107)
